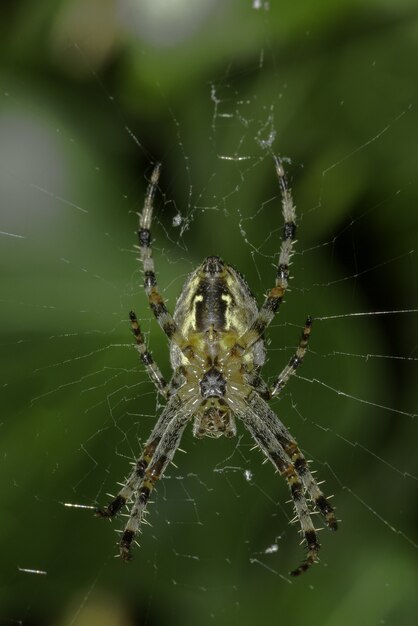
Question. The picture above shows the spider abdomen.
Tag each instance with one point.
(214, 419)
(214, 310)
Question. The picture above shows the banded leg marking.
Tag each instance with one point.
(146, 357)
(291, 448)
(277, 455)
(155, 299)
(275, 296)
(310, 485)
(295, 361)
(162, 456)
(136, 476)
(304, 515)
(131, 485)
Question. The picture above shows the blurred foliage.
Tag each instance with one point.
(93, 92)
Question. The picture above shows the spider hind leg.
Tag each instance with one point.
(311, 487)
(135, 478)
(304, 516)
(295, 457)
(312, 555)
(161, 457)
(275, 452)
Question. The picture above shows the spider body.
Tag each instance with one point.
(217, 352)
(216, 308)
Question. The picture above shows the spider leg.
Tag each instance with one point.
(136, 476)
(146, 357)
(277, 455)
(155, 299)
(291, 448)
(275, 295)
(295, 361)
(161, 457)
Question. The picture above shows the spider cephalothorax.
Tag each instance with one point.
(213, 383)
(216, 352)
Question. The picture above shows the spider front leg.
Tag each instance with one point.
(275, 296)
(155, 298)
(136, 476)
(162, 456)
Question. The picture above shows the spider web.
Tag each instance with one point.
(77, 405)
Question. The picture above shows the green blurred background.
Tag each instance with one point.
(92, 93)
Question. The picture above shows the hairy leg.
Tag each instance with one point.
(275, 295)
(295, 361)
(291, 448)
(268, 443)
(146, 357)
(136, 476)
(161, 457)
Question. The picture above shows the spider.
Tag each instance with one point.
(216, 352)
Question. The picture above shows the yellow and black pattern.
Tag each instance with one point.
(217, 351)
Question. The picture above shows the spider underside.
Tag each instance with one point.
(216, 353)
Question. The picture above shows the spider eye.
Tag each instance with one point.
(213, 265)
